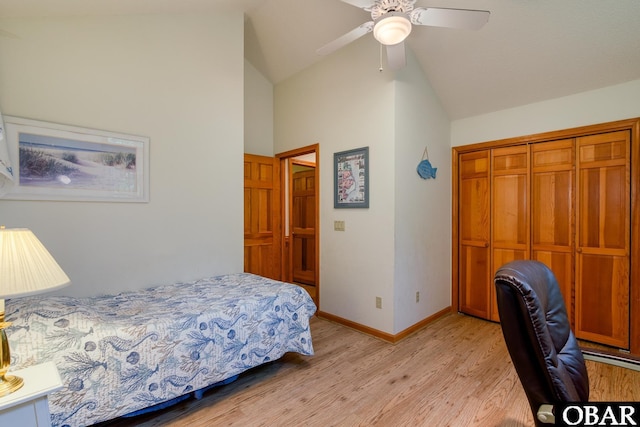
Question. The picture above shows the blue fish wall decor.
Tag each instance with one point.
(425, 170)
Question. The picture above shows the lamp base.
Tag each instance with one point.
(9, 384)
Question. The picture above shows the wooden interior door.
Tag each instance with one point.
(509, 210)
(262, 216)
(603, 238)
(303, 223)
(301, 236)
(552, 212)
(474, 275)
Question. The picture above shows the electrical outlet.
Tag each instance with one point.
(417, 296)
(378, 302)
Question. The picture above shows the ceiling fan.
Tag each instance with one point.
(391, 22)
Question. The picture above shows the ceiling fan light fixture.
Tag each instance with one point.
(392, 28)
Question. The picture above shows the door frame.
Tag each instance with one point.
(286, 200)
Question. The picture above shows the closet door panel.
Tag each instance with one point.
(503, 256)
(510, 211)
(552, 208)
(602, 299)
(509, 204)
(510, 216)
(474, 197)
(474, 273)
(474, 215)
(603, 237)
(561, 263)
(500, 258)
(603, 213)
(552, 211)
(474, 281)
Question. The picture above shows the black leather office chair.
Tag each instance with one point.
(542, 346)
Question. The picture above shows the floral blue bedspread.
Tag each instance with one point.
(121, 353)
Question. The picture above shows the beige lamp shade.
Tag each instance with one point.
(26, 267)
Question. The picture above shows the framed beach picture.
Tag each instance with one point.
(60, 162)
(351, 178)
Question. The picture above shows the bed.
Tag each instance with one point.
(124, 354)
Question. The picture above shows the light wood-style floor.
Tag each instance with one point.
(454, 372)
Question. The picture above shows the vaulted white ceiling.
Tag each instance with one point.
(530, 50)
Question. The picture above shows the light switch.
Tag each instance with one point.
(338, 225)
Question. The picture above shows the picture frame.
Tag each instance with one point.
(351, 178)
(68, 163)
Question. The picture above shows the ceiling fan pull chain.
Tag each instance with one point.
(380, 69)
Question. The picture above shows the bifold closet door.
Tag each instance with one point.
(552, 211)
(509, 210)
(475, 279)
(603, 238)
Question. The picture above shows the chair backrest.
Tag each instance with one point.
(538, 335)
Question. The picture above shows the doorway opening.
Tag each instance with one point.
(301, 218)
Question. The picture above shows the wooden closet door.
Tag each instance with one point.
(475, 278)
(552, 211)
(603, 237)
(509, 216)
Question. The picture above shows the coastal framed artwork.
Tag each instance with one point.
(351, 178)
(68, 163)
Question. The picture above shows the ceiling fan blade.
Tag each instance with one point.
(396, 56)
(362, 4)
(344, 40)
(451, 18)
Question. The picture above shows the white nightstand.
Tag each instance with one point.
(28, 406)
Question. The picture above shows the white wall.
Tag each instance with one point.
(597, 106)
(343, 103)
(392, 249)
(258, 112)
(422, 207)
(176, 79)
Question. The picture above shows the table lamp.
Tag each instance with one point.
(26, 268)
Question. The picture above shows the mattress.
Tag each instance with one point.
(118, 354)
